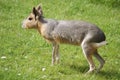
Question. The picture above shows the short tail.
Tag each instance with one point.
(97, 45)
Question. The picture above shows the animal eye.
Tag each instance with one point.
(30, 18)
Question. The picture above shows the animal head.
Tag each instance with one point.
(32, 20)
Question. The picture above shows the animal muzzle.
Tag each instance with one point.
(23, 24)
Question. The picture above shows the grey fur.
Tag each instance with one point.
(74, 32)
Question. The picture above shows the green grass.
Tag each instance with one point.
(24, 53)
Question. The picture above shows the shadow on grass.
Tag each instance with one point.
(78, 68)
(107, 74)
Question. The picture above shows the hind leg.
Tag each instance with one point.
(100, 59)
(88, 52)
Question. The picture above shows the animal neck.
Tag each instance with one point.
(40, 23)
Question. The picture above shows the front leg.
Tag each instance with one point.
(55, 53)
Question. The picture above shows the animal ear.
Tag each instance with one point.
(35, 12)
(39, 9)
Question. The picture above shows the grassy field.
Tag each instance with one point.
(25, 55)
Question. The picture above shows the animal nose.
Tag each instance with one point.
(23, 24)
